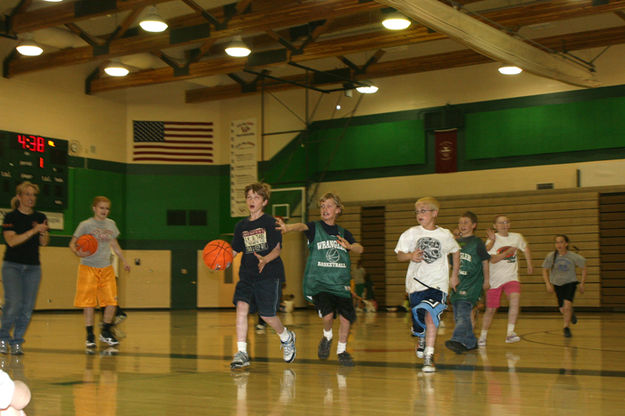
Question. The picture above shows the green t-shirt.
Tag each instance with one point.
(471, 275)
(328, 268)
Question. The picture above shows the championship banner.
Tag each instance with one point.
(243, 163)
(446, 146)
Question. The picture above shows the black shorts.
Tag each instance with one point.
(565, 292)
(263, 295)
(327, 303)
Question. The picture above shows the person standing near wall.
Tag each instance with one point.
(559, 275)
(24, 230)
(96, 277)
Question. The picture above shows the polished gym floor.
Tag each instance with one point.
(177, 363)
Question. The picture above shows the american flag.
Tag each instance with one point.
(172, 141)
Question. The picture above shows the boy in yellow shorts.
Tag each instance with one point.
(96, 276)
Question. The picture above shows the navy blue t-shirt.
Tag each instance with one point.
(28, 251)
(258, 236)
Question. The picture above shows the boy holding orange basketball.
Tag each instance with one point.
(328, 273)
(260, 274)
(96, 276)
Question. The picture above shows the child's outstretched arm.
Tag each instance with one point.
(355, 248)
(285, 228)
(528, 259)
(263, 260)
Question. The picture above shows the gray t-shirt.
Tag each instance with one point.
(104, 231)
(564, 270)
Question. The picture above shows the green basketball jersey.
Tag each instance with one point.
(328, 268)
(471, 274)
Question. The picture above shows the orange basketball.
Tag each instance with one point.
(87, 243)
(217, 255)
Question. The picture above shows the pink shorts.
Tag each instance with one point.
(493, 296)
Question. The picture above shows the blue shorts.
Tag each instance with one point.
(263, 295)
(432, 301)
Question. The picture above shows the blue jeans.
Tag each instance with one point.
(463, 332)
(21, 284)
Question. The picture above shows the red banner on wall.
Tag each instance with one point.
(446, 143)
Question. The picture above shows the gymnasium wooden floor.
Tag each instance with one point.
(177, 363)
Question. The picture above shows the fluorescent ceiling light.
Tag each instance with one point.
(116, 69)
(237, 48)
(396, 21)
(153, 22)
(509, 70)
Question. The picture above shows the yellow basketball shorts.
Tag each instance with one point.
(95, 286)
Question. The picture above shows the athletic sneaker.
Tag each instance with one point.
(345, 359)
(4, 347)
(108, 338)
(288, 348)
(240, 360)
(16, 349)
(120, 317)
(455, 346)
(323, 352)
(481, 342)
(512, 338)
(90, 343)
(573, 319)
(421, 347)
(428, 364)
(567, 333)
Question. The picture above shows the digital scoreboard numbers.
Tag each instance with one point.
(37, 159)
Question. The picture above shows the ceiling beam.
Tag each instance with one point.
(274, 15)
(69, 12)
(448, 60)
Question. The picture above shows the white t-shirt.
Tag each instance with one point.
(506, 270)
(7, 389)
(433, 270)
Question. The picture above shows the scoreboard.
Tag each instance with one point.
(37, 159)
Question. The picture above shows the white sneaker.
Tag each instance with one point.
(420, 347)
(288, 348)
(428, 364)
(512, 338)
(481, 342)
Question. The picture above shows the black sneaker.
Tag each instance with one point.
(345, 359)
(90, 343)
(455, 346)
(323, 352)
(420, 347)
(108, 338)
(573, 319)
(567, 332)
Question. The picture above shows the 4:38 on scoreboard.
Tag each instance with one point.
(38, 159)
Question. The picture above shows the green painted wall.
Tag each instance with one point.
(556, 128)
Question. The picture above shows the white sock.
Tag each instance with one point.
(328, 334)
(341, 347)
(510, 329)
(429, 351)
(484, 334)
(242, 346)
(285, 335)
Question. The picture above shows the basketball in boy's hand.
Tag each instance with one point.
(87, 243)
(217, 255)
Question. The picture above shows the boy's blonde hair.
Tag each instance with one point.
(334, 197)
(99, 199)
(430, 201)
(21, 188)
(259, 188)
